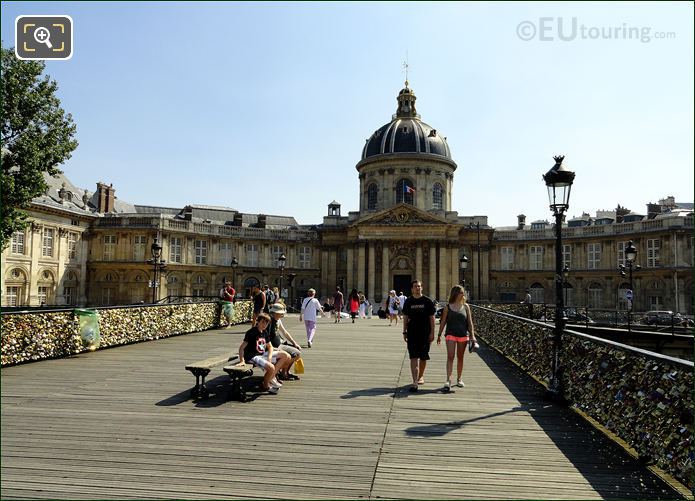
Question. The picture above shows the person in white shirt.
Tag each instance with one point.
(401, 300)
(310, 306)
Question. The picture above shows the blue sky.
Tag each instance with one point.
(265, 107)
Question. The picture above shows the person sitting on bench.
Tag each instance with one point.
(256, 349)
(282, 340)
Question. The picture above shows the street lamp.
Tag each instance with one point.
(630, 256)
(559, 181)
(281, 264)
(158, 265)
(565, 277)
(479, 286)
(463, 265)
(234, 264)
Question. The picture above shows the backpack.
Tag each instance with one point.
(222, 293)
(269, 297)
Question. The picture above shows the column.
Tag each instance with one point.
(324, 273)
(361, 262)
(443, 272)
(350, 271)
(332, 270)
(418, 262)
(385, 275)
(371, 272)
(454, 268)
(432, 289)
(82, 287)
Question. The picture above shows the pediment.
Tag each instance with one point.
(401, 215)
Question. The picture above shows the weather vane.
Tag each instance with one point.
(405, 67)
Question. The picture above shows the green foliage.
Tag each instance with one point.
(37, 136)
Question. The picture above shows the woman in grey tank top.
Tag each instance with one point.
(458, 323)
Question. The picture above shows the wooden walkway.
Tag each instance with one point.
(118, 424)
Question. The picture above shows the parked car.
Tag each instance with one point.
(662, 317)
(577, 317)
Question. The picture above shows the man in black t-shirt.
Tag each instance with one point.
(418, 331)
(258, 302)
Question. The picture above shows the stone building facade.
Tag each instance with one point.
(90, 248)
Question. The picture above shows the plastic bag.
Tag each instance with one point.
(89, 328)
(299, 366)
(227, 309)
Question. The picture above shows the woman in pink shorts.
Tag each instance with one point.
(458, 322)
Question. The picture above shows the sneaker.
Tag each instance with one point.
(291, 377)
(273, 390)
(275, 382)
(460, 384)
(447, 387)
(308, 344)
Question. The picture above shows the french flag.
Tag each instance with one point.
(408, 189)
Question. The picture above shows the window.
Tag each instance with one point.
(201, 252)
(622, 300)
(276, 251)
(653, 248)
(72, 246)
(621, 253)
(199, 286)
(437, 196)
(173, 285)
(372, 192)
(594, 295)
(405, 191)
(537, 293)
(656, 303)
(47, 247)
(568, 291)
(18, 242)
(507, 258)
(109, 248)
(251, 254)
(567, 256)
(107, 295)
(225, 254)
(69, 295)
(140, 243)
(43, 295)
(305, 257)
(175, 249)
(535, 257)
(13, 295)
(593, 256)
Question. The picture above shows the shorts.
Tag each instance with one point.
(262, 360)
(291, 350)
(458, 339)
(393, 312)
(419, 347)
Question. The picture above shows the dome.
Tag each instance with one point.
(406, 133)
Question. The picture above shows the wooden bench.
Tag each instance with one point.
(238, 373)
(202, 368)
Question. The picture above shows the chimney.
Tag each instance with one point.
(238, 219)
(262, 220)
(521, 222)
(106, 196)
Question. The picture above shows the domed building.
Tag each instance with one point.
(404, 229)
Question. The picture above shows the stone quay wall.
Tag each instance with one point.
(644, 398)
(32, 336)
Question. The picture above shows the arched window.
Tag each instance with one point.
(622, 300)
(537, 293)
(437, 196)
(405, 191)
(371, 197)
(594, 295)
(568, 292)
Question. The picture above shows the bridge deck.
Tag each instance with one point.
(118, 424)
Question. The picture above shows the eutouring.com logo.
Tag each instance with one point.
(553, 29)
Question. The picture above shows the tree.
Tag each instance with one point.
(37, 136)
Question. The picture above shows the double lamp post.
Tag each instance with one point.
(630, 257)
(558, 181)
(158, 266)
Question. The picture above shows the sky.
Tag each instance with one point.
(265, 107)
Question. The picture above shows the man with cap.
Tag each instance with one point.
(282, 340)
(310, 305)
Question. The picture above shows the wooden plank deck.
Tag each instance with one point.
(118, 424)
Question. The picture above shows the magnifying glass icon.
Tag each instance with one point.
(42, 35)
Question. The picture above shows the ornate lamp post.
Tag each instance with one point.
(158, 265)
(234, 263)
(559, 181)
(463, 265)
(630, 256)
(477, 248)
(565, 277)
(281, 265)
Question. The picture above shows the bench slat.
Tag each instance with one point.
(211, 362)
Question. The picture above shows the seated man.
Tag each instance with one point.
(256, 349)
(282, 340)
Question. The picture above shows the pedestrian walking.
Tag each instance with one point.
(418, 331)
(457, 324)
(401, 302)
(258, 302)
(363, 305)
(337, 304)
(310, 306)
(354, 303)
(392, 306)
